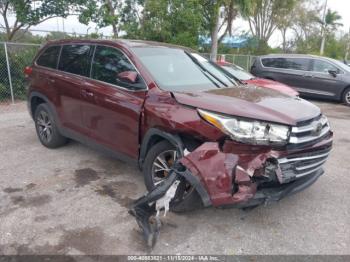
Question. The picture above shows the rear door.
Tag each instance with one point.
(112, 107)
(74, 66)
(287, 70)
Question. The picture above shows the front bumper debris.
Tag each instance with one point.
(224, 178)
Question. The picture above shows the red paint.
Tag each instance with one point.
(119, 119)
(266, 83)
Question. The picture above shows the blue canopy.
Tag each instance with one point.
(228, 41)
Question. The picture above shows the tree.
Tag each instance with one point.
(172, 21)
(219, 14)
(305, 27)
(32, 12)
(330, 24)
(264, 17)
(103, 13)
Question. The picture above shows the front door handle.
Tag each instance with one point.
(308, 76)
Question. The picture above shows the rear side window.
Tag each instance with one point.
(273, 62)
(297, 63)
(76, 59)
(49, 57)
(108, 63)
(287, 63)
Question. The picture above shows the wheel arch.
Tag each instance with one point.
(35, 99)
(343, 92)
(154, 136)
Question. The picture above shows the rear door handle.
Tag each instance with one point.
(52, 80)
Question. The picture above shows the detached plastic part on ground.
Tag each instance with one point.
(221, 179)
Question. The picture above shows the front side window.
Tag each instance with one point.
(76, 59)
(108, 66)
(49, 57)
(323, 67)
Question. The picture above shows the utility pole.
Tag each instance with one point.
(323, 33)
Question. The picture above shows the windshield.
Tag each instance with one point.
(238, 72)
(176, 70)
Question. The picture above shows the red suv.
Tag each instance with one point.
(155, 104)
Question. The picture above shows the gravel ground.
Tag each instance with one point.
(73, 200)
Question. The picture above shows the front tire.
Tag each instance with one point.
(346, 97)
(161, 157)
(46, 128)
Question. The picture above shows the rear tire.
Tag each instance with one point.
(191, 199)
(346, 97)
(46, 128)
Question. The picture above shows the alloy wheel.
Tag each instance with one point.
(162, 165)
(161, 168)
(347, 97)
(44, 126)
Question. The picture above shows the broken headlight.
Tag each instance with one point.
(248, 131)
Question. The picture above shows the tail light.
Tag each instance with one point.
(28, 71)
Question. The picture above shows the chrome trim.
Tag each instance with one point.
(300, 140)
(311, 165)
(301, 57)
(317, 92)
(288, 160)
(308, 172)
(311, 126)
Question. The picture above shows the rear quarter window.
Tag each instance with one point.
(287, 63)
(49, 57)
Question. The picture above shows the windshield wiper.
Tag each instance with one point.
(204, 70)
(226, 75)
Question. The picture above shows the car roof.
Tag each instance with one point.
(292, 56)
(127, 43)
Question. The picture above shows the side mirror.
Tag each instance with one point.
(333, 73)
(128, 76)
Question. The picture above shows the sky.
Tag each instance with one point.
(71, 24)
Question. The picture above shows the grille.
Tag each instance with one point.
(296, 166)
(310, 130)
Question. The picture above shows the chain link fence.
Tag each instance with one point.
(14, 57)
(244, 61)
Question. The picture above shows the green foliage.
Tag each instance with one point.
(33, 12)
(171, 21)
(19, 58)
(332, 20)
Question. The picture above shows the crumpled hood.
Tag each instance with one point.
(251, 102)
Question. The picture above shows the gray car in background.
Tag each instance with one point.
(312, 76)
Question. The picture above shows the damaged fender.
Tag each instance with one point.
(219, 173)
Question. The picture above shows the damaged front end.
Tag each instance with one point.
(230, 175)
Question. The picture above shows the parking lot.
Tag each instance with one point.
(73, 200)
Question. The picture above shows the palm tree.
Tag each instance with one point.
(330, 24)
